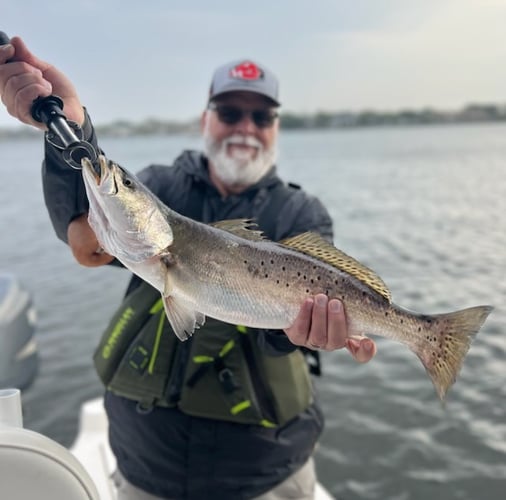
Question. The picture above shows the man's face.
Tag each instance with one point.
(240, 132)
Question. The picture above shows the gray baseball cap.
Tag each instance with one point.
(244, 75)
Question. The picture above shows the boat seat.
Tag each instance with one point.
(33, 466)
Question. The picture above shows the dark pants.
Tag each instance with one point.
(299, 486)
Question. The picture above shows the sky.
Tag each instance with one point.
(133, 59)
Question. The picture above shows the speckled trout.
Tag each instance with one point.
(229, 271)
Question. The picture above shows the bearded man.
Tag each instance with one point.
(230, 413)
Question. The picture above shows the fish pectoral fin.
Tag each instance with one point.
(244, 228)
(182, 316)
(314, 245)
(168, 284)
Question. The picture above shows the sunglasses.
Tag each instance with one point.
(232, 115)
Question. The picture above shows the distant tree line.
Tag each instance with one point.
(427, 116)
(471, 113)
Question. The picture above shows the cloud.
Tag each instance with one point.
(449, 56)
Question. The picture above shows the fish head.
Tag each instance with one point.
(128, 219)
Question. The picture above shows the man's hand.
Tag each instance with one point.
(24, 77)
(321, 324)
(84, 243)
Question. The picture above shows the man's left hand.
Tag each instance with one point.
(321, 324)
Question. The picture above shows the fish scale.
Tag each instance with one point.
(229, 271)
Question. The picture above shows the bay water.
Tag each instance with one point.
(425, 207)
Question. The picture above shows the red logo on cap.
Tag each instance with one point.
(246, 71)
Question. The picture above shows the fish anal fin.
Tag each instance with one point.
(182, 317)
(314, 245)
(244, 228)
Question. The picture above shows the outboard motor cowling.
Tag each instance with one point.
(18, 349)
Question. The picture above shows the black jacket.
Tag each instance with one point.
(166, 452)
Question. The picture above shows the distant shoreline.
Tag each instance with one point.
(472, 113)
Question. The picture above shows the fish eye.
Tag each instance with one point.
(127, 182)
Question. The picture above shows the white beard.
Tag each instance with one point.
(238, 168)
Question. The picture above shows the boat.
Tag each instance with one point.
(93, 452)
(32, 466)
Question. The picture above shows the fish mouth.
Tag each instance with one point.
(103, 170)
(98, 171)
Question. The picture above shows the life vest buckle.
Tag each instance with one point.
(227, 380)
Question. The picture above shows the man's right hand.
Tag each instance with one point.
(24, 77)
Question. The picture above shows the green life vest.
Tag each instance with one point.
(227, 376)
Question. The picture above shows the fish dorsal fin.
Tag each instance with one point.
(314, 245)
(245, 228)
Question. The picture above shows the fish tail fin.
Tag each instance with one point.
(447, 343)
